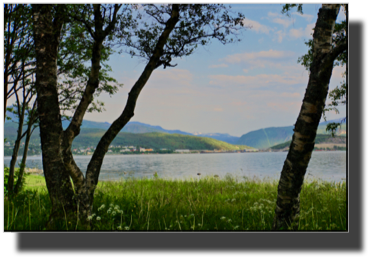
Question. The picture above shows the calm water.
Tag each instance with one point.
(326, 165)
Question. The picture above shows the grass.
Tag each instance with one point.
(205, 204)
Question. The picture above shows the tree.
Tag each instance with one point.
(16, 45)
(324, 54)
(173, 31)
(20, 69)
(337, 96)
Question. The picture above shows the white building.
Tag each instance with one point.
(182, 150)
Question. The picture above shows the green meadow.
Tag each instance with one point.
(204, 204)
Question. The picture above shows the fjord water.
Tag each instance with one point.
(325, 165)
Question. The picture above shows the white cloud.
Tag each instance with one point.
(307, 17)
(218, 109)
(306, 32)
(256, 26)
(218, 66)
(284, 22)
(269, 54)
(290, 95)
(257, 81)
(296, 33)
(280, 35)
(281, 19)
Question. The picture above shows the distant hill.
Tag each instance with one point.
(219, 136)
(89, 137)
(266, 137)
(155, 140)
(261, 139)
(319, 139)
(131, 127)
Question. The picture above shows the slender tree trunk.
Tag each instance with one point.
(5, 94)
(16, 149)
(305, 130)
(86, 190)
(46, 37)
(7, 57)
(19, 184)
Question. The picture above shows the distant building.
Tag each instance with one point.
(182, 150)
(163, 149)
(250, 150)
(125, 150)
(149, 149)
(142, 149)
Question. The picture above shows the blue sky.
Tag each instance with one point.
(234, 88)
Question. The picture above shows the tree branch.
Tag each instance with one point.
(333, 54)
(128, 112)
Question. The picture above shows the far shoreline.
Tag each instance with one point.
(188, 153)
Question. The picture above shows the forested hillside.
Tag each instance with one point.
(266, 137)
(89, 137)
(319, 139)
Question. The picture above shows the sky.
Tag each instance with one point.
(234, 88)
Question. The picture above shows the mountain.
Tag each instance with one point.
(266, 137)
(137, 127)
(155, 140)
(89, 137)
(261, 139)
(319, 139)
(131, 127)
(219, 136)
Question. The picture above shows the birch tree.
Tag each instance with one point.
(20, 70)
(173, 31)
(324, 53)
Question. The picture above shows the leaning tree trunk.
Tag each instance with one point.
(305, 130)
(46, 37)
(86, 189)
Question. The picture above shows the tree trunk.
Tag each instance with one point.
(305, 130)
(16, 149)
(86, 190)
(19, 184)
(46, 36)
(58, 161)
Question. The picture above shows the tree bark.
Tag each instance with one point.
(305, 130)
(47, 37)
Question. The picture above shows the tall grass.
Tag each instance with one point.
(205, 204)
